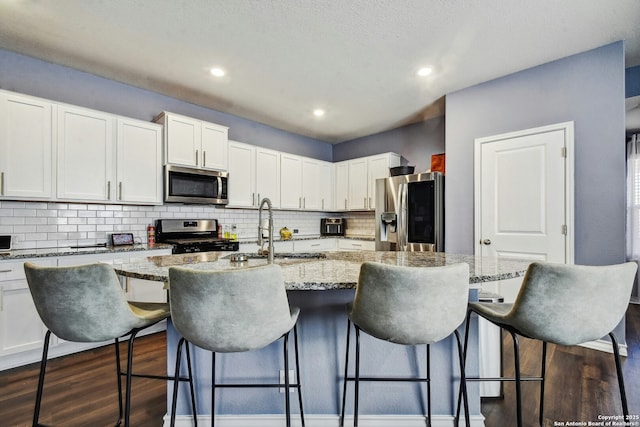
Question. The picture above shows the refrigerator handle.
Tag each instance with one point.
(402, 219)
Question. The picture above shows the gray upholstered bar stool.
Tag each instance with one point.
(409, 306)
(562, 304)
(86, 304)
(229, 312)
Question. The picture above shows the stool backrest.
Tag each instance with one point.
(410, 305)
(572, 304)
(229, 311)
(82, 303)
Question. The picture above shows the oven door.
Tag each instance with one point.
(186, 185)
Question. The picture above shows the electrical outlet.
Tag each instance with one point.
(295, 231)
(292, 379)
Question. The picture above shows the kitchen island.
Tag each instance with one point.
(321, 284)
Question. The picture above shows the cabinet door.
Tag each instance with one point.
(358, 195)
(85, 155)
(378, 167)
(242, 166)
(341, 185)
(214, 146)
(290, 181)
(326, 184)
(139, 165)
(268, 175)
(311, 198)
(20, 326)
(183, 140)
(26, 146)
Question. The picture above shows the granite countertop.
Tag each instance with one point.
(64, 251)
(325, 270)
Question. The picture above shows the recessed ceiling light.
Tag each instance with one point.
(425, 71)
(218, 72)
(318, 112)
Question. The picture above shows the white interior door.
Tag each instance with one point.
(523, 209)
(524, 194)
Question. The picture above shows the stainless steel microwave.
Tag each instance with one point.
(190, 185)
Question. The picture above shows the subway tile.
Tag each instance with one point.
(67, 228)
(47, 213)
(78, 207)
(57, 220)
(47, 228)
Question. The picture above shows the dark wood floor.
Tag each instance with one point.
(80, 390)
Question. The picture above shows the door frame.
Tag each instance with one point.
(569, 188)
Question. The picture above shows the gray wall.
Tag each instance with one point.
(588, 89)
(632, 81)
(415, 143)
(31, 76)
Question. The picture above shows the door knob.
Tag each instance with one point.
(486, 242)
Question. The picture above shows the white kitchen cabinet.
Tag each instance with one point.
(86, 155)
(242, 175)
(291, 181)
(26, 147)
(356, 245)
(20, 326)
(363, 173)
(314, 245)
(358, 184)
(378, 167)
(306, 183)
(194, 143)
(326, 185)
(341, 185)
(268, 175)
(254, 173)
(139, 162)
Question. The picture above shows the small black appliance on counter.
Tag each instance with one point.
(332, 226)
(193, 235)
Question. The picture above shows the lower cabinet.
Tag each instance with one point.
(20, 325)
(315, 245)
(21, 330)
(356, 245)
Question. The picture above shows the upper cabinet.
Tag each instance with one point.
(194, 143)
(86, 154)
(341, 185)
(105, 158)
(305, 183)
(254, 173)
(359, 177)
(139, 162)
(26, 147)
(51, 151)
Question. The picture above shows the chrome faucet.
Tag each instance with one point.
(269, 230)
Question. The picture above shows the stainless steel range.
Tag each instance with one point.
(193, 235)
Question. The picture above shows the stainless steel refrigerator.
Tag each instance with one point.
(410, 213)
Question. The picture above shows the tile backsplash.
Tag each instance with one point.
(43, 224)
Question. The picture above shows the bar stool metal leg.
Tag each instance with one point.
(543, 372)
(428, 385)
(194, 410)
(516, 361)
(176, 382)
(616, 355)
(287, 403)
(357, 378)
(118, 371)
(295, 336)
(43, 366)
(213, 388)
(346, 373)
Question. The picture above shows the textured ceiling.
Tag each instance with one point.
(355, 58)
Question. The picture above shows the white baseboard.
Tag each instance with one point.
(322, 421)
(606, 346)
